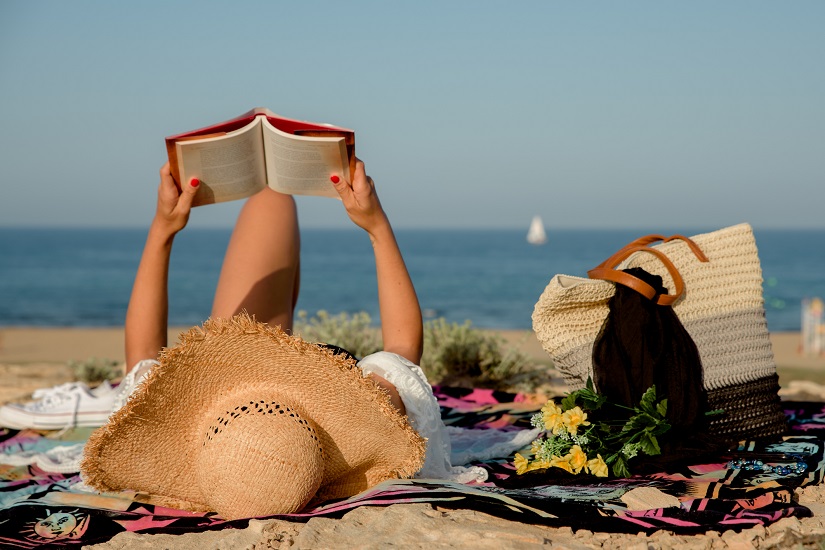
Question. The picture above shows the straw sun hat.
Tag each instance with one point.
(245, 420)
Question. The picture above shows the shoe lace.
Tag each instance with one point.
(46, 398)
(123, 391)
(128, 385)
(65, 453)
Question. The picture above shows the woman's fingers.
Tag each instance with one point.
(188, 195)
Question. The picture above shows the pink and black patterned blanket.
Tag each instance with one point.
(41, 509)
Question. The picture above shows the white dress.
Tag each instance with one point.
(447, 448)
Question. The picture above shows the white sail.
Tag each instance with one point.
(536, 234)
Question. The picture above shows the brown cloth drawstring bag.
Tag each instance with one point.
(642, 343)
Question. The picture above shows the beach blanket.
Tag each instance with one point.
(38, 508)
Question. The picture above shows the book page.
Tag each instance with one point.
(229, 167)
(300, 165)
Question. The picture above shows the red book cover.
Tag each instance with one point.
(288, 125)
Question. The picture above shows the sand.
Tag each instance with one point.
(32, 358)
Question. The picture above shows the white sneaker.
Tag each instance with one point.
(130, 383)
(61, 459)
(64, 406)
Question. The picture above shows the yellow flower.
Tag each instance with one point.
(574, 418)
(520, 463)
(562, 463)
(597, 466)
(576, 458)
(538, 465)
(523, 465)
(552, 416)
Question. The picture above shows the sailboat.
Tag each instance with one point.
(536, 234)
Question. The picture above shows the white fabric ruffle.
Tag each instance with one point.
(469, 445)
(423, 413)
(444, 459)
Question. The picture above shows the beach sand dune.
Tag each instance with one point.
(32, 358)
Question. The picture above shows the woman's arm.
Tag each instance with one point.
(146, 316)
(401, 325)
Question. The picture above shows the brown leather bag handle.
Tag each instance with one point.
(607, 271)
(650, 239)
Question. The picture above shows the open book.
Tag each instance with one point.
(239, 157)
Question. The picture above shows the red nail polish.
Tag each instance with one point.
(334, 179)
(194, 182)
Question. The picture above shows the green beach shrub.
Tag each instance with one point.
(460, 355)
(454, 355)
(354, 333)
(95, 370)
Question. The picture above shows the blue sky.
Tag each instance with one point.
(468, 114)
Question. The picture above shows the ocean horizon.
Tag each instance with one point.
(82, 277)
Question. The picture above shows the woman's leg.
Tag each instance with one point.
(261, 270)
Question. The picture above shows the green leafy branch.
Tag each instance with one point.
(618, 440)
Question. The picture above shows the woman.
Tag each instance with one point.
(202, 427)
(261, 271)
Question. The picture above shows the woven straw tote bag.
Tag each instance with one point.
(719, 302)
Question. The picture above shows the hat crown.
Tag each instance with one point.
(276, 446)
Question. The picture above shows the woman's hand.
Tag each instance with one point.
(146, 316)
(401, 327)
(174, 206)
(361, 200)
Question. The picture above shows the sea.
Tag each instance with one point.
(492, 278)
